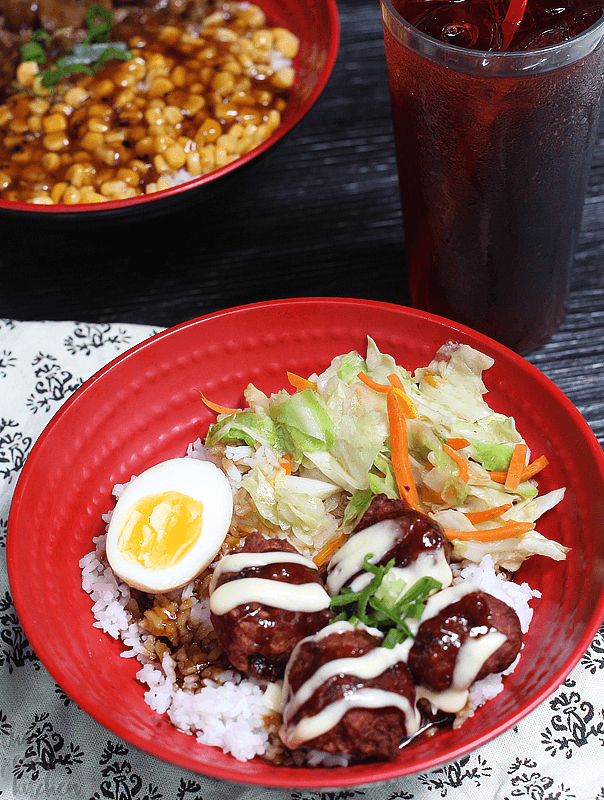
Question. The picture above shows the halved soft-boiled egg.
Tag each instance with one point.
(169, 523)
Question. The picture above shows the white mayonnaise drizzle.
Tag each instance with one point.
(379, 539)
(365, 667)
(305, 598)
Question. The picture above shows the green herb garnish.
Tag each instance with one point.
(383, 607)
(88, 56)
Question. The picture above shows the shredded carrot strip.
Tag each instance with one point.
(285, 462)
(398, 387)
(300, 383)
(528, 472)
(534, 467)
(430, 380)
(457, 444)
(461, 464)
(400, 450)
(516, 467)
(330, 548)
(487, 514)
(217, 408)
(377, 387)
(506, 531)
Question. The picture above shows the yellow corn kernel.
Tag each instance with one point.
(129, 176)
(253, 16)
(144, 146)
(161, 142)
(71, 195)
(227, 141)
(193, 104)
(115, 138)
(175, 156)
(76, 96)
(208, 132)
(5, 115)
(154, 115)
(54, 123)
(56, 193)
(51, 162)
(140, 166)
(107, 155)
(221, 156)
(170, 34)
(248, 114)
(286, 42)
(164, 183)
(100, 110)
(18, 125)
(98, 125)
(179, 76)
(225, 35)
(172, 115)
(283, 78)
(137, 68)
(26, 73)
(90, 141)
(5, 180)
(160, 164)
(39, 106)
(263, 38)
(103, 88)
(81, 174)
(41, 200)
(223, 82)
(226, 112)
(34, 123)
(114, 188)
(233, 66)
(194, 163)
(160, 87)
(88, 195)
(274, 119)
(56, 141)
(22, 156)
(207, 157)
(123, 98)
(157, 62)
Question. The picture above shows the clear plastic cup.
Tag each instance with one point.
(493, 153)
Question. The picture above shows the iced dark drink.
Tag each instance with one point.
(494, 126)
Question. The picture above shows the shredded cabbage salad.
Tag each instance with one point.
(332, 438)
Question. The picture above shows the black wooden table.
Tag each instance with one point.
(319, 216)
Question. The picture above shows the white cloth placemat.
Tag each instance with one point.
(50, 748)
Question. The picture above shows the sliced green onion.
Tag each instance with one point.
(87, 56)
(371, 607)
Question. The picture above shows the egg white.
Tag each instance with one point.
(201, 480)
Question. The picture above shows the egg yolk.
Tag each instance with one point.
(159, 529)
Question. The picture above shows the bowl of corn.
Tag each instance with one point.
(128, 107)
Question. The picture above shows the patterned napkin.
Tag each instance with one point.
(50, 748)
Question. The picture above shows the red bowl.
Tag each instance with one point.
(145, 406)
(317, 25)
